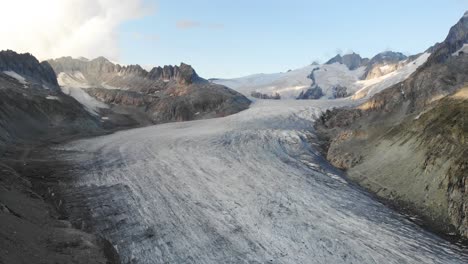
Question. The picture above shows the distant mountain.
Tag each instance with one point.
(341, 76)
(352, 61)
(163, 94)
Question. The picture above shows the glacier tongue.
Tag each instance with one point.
(247, 188)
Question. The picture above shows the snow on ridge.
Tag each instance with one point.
(327, 76)
(375, 85)
(51, 97)
(290, 84)
(15, 75)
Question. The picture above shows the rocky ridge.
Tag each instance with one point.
(163, 94)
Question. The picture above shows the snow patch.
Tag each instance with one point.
(110, 87)
(74, 79)
(90, 103)
(51, 97)
(15, 75)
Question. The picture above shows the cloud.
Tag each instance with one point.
(187, 24)
(190, 24)
(54, 28)
(145, 37)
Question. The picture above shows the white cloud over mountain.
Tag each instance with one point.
(54, 28)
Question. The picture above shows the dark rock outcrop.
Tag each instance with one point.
(314, 92)
(339, 91)
(274, 96)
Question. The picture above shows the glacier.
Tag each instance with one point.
(247, 188)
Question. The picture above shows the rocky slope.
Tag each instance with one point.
(33, 112)
(164, 94)
(408, 143)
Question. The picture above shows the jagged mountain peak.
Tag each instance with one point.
(351, 60)
(456, 40)
(103, 72)
(183, 73)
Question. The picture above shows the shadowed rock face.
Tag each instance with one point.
(408, 143)
(31, 115)
(29, 67)
(164, 94)
(30, 112)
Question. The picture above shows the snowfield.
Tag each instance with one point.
(247, 188)
(290, 84)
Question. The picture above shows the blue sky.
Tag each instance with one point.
(235, 38)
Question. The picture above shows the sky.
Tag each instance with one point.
(222, 38)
